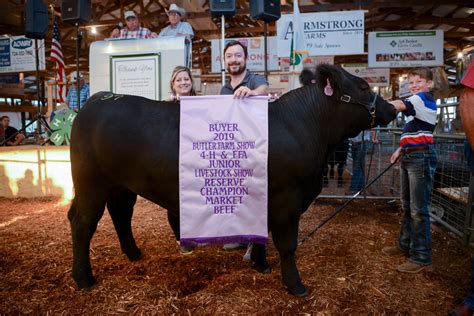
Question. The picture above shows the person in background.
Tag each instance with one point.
(359, 146)
(467, 306)
(337, 157)
(8, 131)
(71, 99)
(466, 107)
(181, 83)
(177, 27)
(467, 114)
(132, 29)
(307, 77)
(417, 168)
(242, 83)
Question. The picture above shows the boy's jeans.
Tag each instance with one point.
(416, 179)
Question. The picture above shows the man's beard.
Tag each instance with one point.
(240, 70)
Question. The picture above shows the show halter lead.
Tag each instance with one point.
(345, 204)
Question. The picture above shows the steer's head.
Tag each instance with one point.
(362, 106)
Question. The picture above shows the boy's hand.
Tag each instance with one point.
(396, 155)
(399, 105)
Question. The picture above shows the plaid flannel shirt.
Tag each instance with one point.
(71, 99)
(142, 32)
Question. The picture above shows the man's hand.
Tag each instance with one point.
(396, 155)
(115, 33)
(243, 92)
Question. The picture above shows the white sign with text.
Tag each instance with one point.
(256, 53)
(406, 49)
(326, 33)
(136, 75)
(18, 54)
(375, 77)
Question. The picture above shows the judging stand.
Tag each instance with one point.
(140, 67)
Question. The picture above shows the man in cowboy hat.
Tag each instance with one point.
(177, 27)
(133, 28)
(71, 99)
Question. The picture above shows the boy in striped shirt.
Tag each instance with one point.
(417, 168)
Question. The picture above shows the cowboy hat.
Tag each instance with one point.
(73, 76)
(175, 8)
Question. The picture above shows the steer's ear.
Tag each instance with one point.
(328, 79)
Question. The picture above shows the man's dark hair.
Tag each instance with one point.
(307, 77)
(423, 72)
(233, 43)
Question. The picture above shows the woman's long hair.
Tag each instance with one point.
(176, 71)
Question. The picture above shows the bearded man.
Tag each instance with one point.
(242, 82)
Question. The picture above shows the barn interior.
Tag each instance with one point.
(342, 264)
(19, 93)
(455, 18)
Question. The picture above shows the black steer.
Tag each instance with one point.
(122, 146)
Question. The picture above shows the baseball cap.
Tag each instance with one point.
(129, 14)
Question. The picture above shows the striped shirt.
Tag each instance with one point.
(421, 120)
(141, 32)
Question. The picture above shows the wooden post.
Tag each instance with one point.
(50, 94)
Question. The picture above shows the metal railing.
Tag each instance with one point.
(453, 187)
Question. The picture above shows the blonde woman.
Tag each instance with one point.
(181, 83)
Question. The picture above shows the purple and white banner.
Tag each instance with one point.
(223, 152)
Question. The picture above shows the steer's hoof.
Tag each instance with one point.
(262, 268)
(134, 255)
(299, 290)
(85, 283)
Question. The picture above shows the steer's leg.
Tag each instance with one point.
(173, 220)
(259, 259)
(120, 205)
(85, 212)
(285, 236)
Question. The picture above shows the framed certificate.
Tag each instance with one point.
(136, 75)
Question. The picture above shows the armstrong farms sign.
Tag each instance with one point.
(325, 33)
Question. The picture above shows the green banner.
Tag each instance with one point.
(61, 126)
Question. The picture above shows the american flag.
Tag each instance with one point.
(57, 56)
